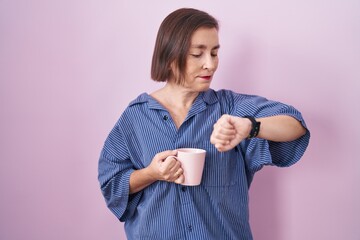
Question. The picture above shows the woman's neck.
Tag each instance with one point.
(175, 95)
(177, 100)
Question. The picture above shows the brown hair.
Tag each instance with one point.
(173, 42)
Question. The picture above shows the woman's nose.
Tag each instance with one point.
(210, 62)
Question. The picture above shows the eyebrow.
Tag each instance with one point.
(201, 46)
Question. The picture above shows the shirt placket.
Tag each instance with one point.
(188, 210)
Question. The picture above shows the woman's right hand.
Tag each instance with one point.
(165, 168)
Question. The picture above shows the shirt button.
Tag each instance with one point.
(165, 117)
(183, 189)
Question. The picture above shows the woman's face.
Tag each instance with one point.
(202, 60)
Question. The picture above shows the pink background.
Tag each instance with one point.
(69, 68)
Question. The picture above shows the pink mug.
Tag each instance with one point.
(192, 162)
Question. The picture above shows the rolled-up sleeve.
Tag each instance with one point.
(114, 169)
(259, 152)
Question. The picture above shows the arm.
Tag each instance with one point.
(280, 128)
(229, 130)
(140, 179)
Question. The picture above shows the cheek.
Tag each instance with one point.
(217, 62)
(193, 68)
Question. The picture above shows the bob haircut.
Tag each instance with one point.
(173, 43)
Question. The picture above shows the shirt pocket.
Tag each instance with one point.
(221, 169)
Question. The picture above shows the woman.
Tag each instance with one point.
(241, 133)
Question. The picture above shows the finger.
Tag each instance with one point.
(227, 131)
(162, 155)
(221, 142)
(166, 153)
(216, 140)
(226, 125)
(219, 130)
(180, 179)
(219, 146)
(169, 163)
(223, 127)
(224, 130)
(216, 137)
(221, 136)
(172, 176)
(225, 121)
(175, 167)
(222, 147)
(179, 172)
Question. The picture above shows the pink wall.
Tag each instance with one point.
(69, 68)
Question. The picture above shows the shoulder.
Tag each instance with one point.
(231, 98)
(142, 98)
(132, 110)
(226, 94)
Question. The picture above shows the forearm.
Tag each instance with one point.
(140, 179)
(280, 128)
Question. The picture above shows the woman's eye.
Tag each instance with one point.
(200, 55)
(196, 55)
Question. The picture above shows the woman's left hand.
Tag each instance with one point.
(229, 131)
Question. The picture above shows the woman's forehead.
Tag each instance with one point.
(205, 38)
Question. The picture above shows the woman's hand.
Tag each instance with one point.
(229, 131)
(161, 168)
(166, 168)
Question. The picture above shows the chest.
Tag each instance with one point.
(178, 115)
(159, 131)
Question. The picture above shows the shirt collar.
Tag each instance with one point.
(146, 98)
(209, 97)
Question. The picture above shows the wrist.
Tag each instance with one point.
(149, 173)
(255, 127)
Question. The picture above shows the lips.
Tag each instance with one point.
(205, 77)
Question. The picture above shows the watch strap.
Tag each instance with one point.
(255, 129)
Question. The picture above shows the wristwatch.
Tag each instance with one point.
(255, 127)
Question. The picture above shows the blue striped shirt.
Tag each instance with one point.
(218, 207)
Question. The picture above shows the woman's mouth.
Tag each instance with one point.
(207, 78)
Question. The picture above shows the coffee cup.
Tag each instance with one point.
(192, 162)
